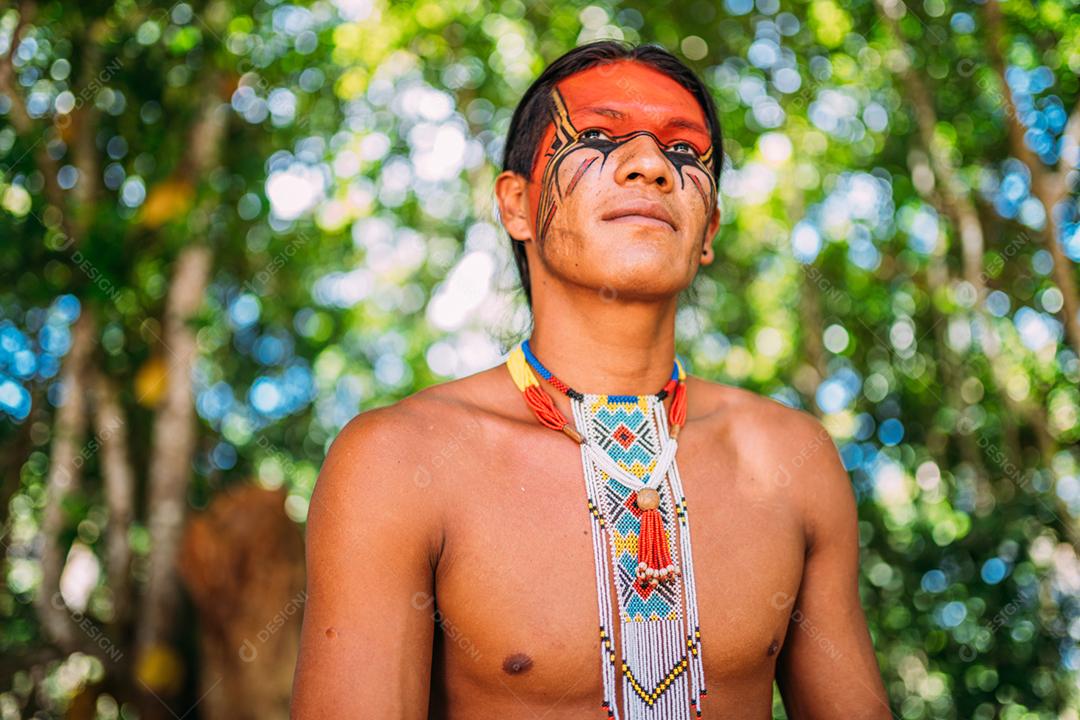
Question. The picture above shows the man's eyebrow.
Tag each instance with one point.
(678, 122)
(687, 125)
(609, 112)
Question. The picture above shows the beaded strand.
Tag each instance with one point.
(661, 663)
(546, 412)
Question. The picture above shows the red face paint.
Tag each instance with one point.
(600, 109)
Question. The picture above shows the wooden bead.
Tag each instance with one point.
(648, 499)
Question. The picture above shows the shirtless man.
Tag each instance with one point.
(450, 566)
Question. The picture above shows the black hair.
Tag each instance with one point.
(535, 110)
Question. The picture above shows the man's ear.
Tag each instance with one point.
(707, 255)
(512, 194)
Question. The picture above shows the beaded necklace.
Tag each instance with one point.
(640, 528)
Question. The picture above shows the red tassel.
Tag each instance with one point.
(677, 412)
(653, 552)
(546, 412)
(543, 407)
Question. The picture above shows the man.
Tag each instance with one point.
(451, 571)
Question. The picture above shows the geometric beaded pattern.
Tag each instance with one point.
(627, 432)
(659, 658)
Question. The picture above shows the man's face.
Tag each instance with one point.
(622, 192)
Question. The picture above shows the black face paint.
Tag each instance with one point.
(568, 139)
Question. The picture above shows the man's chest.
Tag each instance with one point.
(517, 580)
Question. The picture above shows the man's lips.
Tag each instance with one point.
(640, 209)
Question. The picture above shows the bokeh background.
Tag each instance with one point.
(226, 227)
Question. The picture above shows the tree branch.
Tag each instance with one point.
(20, 119)
(1070, 148)
(84, 151)
(110, 424)
(994, 38)
(954, 192)
(65, 470)
(1048, 186)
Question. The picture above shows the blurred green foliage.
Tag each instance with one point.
(356, 258)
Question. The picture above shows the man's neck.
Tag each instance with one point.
(597, 343)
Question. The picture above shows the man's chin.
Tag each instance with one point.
(621, 260)
(649, 278)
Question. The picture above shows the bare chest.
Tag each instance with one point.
(516, 585)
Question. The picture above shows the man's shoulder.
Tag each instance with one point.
(788, 449)
(774, 440)
(755, 419)
(432, 415)
(382, 456)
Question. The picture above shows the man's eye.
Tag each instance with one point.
(594, 134)
(684, 147)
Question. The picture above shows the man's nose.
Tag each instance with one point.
(640, 160)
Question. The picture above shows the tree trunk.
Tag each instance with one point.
(65, 470)
(119, 479)
(175, 430)
(242, 561)
(172, 449)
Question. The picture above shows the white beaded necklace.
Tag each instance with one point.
(635, 497)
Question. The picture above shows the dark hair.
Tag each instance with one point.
(534, 111)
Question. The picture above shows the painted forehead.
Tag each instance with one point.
(627, 96)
